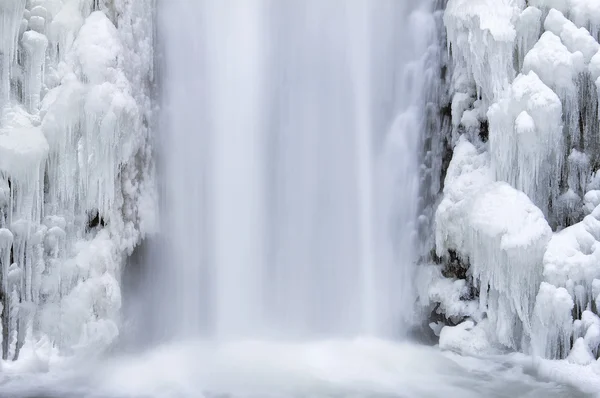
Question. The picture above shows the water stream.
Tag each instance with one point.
(290, 145)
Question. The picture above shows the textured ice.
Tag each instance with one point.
(468, 173)
(528, 26)
(526, 139)
(573, 254)
(590, 330)
(97, 49)
(556, 66)
(552, 322)
(73, 144)
(571, 281)
(501, 233)
(543, 140)
(575, 39)
(35, 45)
(482, 36)
(586, 13)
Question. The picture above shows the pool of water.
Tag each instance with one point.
(254, 369)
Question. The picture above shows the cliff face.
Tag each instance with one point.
(76, 191)
(519, 208)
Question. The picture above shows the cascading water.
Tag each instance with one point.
(290, 153)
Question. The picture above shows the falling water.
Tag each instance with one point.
(290, 166)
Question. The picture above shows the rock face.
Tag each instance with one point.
(531, 75)
(75, 167)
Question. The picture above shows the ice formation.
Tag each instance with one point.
(501, 233)
(482, 35)
(525, 139)
(75, 170)
(535, 168)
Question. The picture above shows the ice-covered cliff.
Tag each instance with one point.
(520, 210)
(76, 191)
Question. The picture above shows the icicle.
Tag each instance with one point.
(559, 69)
(482, 36)
(501, 233)
(586, 14)
(35, 45)
(552, 322)
(526, 139)
(11, 12)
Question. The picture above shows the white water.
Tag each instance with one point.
(360, 368)
(290, 152)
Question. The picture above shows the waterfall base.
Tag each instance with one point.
(361, 367)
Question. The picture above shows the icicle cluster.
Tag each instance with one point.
(502, 234)
(530, 74)
(75, 171)
(526, 131)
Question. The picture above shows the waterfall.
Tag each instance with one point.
(289, 152)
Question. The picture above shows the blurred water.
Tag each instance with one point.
(290, 166)
(356, 368)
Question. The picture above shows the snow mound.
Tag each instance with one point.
(97, 49)
(467, 174)
(536, 68)
(571, 282)
(529, 29)
(565, 72)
